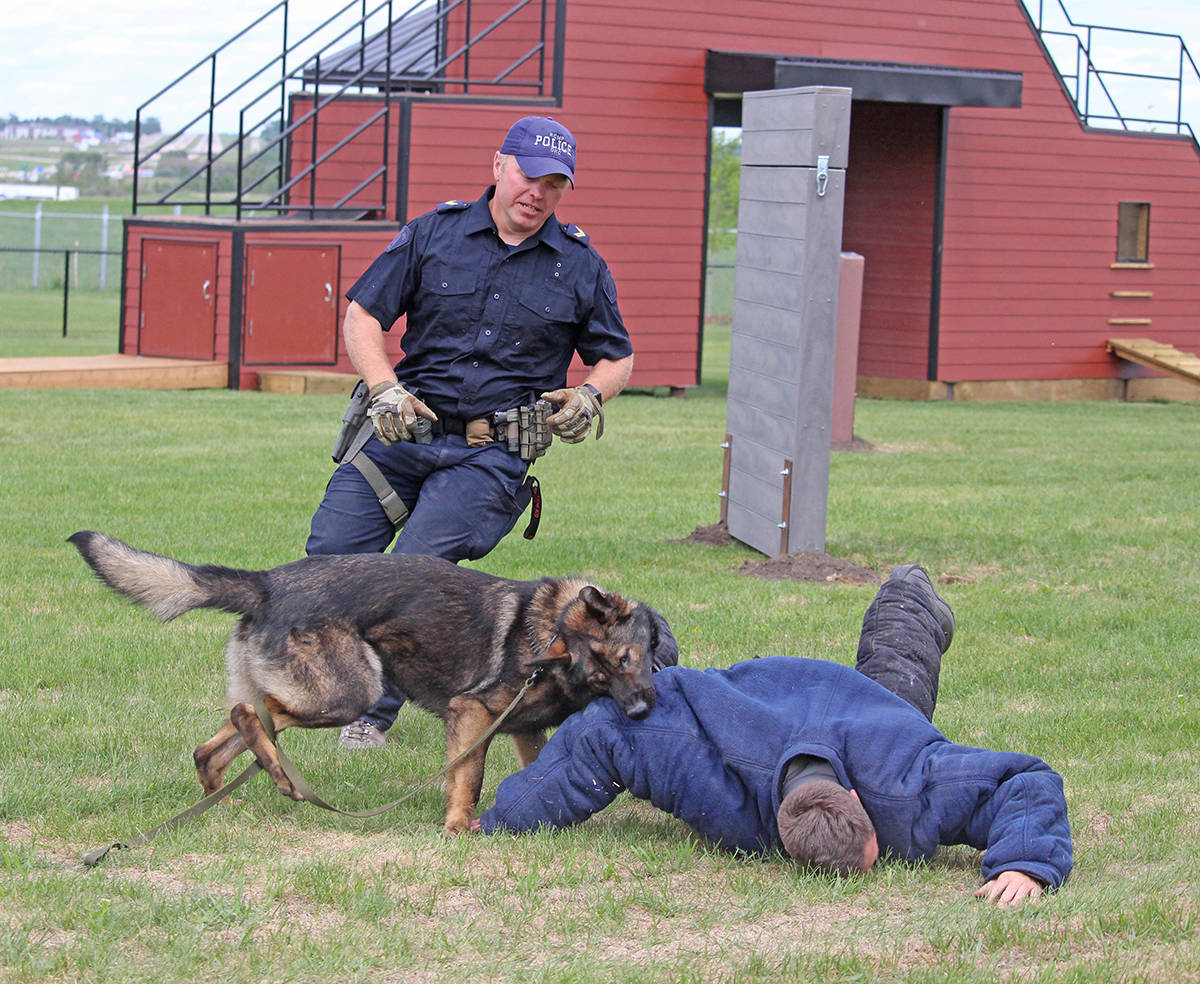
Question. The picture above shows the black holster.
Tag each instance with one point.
(356, 427)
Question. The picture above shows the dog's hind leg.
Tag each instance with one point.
(213, 757)
(467, 720)
(255, 736)
(528, 745)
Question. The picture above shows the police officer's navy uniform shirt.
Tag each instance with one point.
(491, 326)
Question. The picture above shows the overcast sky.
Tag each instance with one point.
(87, 58)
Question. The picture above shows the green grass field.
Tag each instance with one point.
(31, 322)
(1064, 535)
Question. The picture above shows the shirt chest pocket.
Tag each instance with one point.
(549, 304)
(447, 281)
(450, 299)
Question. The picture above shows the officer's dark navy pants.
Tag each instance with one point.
(902, 642)
(462, 502)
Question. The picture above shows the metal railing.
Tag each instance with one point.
(357, 50)
(1075, 50)
(68, 255)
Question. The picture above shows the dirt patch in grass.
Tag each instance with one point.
(810, 567)
(788, 567)
(854, 444)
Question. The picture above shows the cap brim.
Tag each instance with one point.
(539, 167)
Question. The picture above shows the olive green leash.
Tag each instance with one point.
(299, 783)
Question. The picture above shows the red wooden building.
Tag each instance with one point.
(1005, 238)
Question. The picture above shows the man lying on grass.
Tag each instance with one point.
(834, 765)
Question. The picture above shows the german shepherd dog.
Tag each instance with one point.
(317, 636)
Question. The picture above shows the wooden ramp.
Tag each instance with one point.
(112, 372)
(1157, 355)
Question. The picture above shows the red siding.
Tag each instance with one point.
(889, 220)
(348, 166)
(495, 53)
(1031, 197)
(1030, 223)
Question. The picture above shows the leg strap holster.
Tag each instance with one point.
(355, 432)
(393, 505)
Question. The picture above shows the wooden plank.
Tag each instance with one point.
(314, 382)
(112, 372)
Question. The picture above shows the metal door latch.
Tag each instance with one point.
(822, 174)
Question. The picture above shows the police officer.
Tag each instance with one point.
(499, 296)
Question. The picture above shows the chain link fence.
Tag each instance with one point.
(60, 275)
(53, 249)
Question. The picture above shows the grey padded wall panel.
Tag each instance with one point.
(785, 316)
(792, 133)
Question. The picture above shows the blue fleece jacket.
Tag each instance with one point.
(713, 751)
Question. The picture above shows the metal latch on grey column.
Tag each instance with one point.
(822, 174)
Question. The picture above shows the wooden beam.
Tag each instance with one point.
(1157, 355)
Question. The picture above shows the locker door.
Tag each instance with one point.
(291, 305)
(178, 316)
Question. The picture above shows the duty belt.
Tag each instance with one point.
(523, 430)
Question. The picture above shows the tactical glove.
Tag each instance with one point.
(394, 410)
(576, 408)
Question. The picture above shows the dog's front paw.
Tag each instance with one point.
(456, 825)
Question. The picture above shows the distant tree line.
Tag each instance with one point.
(106, 127)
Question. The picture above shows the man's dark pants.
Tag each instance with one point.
(903, 639)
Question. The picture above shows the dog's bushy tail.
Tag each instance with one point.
(168, 587)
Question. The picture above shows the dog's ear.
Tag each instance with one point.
(604, 608)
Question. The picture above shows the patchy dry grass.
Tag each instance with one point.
(1064, 536)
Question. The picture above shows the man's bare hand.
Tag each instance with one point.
(1010, 888)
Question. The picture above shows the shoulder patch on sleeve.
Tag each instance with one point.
(610, 286)
(402, 238)
(454, 205)
(574, 232)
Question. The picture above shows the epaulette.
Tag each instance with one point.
(574, 232)
(454, 205)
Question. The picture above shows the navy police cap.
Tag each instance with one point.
(541, 146)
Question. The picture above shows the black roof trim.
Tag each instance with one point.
(730, 73)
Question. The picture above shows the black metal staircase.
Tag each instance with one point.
(1115, 98)
(242, 162)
